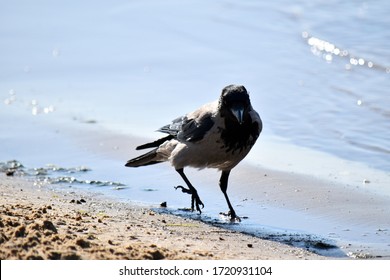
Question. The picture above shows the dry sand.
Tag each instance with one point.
(42, 223)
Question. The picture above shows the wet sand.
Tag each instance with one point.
(42, 223)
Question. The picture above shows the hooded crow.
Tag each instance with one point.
(217, 135)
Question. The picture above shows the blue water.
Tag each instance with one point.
(318, 73)
(134, 66)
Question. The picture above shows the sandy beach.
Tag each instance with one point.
(41, 223)
(68, 214)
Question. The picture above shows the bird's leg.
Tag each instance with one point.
(195, 200)
(223, 183)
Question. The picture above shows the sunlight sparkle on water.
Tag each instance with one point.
(327, 50)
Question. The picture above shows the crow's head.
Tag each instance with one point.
(234, 103)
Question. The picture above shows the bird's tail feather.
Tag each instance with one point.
(145, 159)
(155, 143)
(151, 157)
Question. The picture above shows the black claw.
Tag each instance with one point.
(233, 217)
(195, 200)
(198, 208)
(198, 203)
(183, 189)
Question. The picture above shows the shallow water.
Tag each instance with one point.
(317, 72)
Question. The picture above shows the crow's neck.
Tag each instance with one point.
(238, 137)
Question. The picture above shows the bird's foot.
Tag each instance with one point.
(195, 199)
(233, 218)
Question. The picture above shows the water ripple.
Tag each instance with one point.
(50, 174)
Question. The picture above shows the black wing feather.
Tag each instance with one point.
(189, 130)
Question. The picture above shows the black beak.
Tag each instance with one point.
(238, 112)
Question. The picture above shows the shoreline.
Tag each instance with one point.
(42, 223)
(300, 209)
